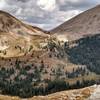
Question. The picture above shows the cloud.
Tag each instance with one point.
(77, 4)
(47, 5)
(2, 4)
(46, 14)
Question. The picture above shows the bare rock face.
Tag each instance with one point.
(96, 94)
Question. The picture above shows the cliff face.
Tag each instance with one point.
(88, 93)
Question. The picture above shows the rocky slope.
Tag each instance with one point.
(85, 23)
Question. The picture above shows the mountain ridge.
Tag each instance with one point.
(14, 32)
(85, 23)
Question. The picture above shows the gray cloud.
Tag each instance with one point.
(79, 4)
(46, 14)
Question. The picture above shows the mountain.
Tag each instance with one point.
(85, 23)
(33, 62)
(16, 37)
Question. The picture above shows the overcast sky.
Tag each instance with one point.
(46, 14)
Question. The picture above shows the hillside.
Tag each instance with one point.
(89, 93)
(85, 23)
(16, 38)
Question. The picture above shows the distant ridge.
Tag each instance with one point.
(85, 23)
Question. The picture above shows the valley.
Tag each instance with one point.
(35, 62)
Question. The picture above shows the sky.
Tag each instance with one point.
(46, 14)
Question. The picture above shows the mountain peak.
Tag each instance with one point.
(85, 23)
(7, 21)
(3, 12)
